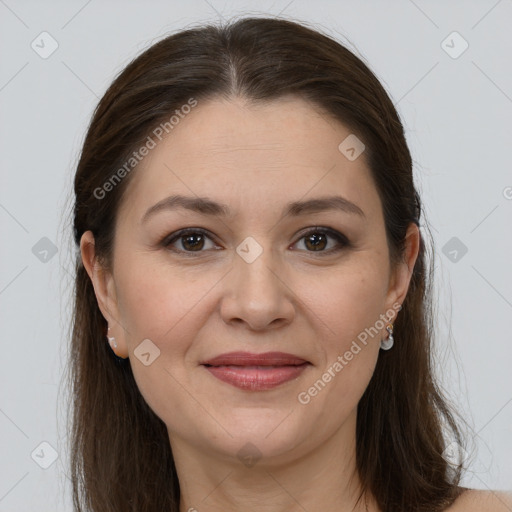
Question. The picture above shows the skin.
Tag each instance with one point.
(313, 304)
(483, 501)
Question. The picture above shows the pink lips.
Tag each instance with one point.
(256, 372)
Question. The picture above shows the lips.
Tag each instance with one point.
(256, 372)
(249, 359)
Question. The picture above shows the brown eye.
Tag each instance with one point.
(317, 240)
(195, 240)
(188, 240)
(192, 242)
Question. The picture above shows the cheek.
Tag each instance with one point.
(347, 306)
(155, 300)
(159, 303)
(350, 300)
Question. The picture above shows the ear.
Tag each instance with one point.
(400, 277)
(105, 291)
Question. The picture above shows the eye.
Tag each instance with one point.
(194, 240)
(316, 240)
(190, 240)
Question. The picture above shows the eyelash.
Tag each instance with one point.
(339, 237)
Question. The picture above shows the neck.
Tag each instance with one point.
(320, 477)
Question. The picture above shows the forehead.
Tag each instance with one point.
(288, 128)
(235, 151)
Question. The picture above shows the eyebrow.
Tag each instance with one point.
(206, 206)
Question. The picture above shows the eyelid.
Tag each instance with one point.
(322, 229)
(176, 235)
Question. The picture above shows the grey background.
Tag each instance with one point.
(456, 112)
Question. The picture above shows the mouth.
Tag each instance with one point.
(256, 372)
(250, 359)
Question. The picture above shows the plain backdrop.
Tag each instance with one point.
(454, 95)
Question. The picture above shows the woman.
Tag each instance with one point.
(252, 318)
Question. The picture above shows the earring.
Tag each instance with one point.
(112, 341)
(388, 343)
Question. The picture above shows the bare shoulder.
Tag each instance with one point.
(474, 500)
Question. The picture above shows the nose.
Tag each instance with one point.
(257, 294)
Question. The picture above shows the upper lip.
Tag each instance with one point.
(250, 359)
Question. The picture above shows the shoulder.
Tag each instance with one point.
(474, 500)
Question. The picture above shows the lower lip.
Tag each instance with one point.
(255, 378)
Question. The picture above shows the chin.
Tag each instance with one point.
(270, 440)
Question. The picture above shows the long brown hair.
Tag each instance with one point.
(121, 459)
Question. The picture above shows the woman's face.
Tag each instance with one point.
(257, 278)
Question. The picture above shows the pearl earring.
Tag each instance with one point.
(112, 341)
(388, 343)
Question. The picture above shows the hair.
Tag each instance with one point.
(121, 458)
